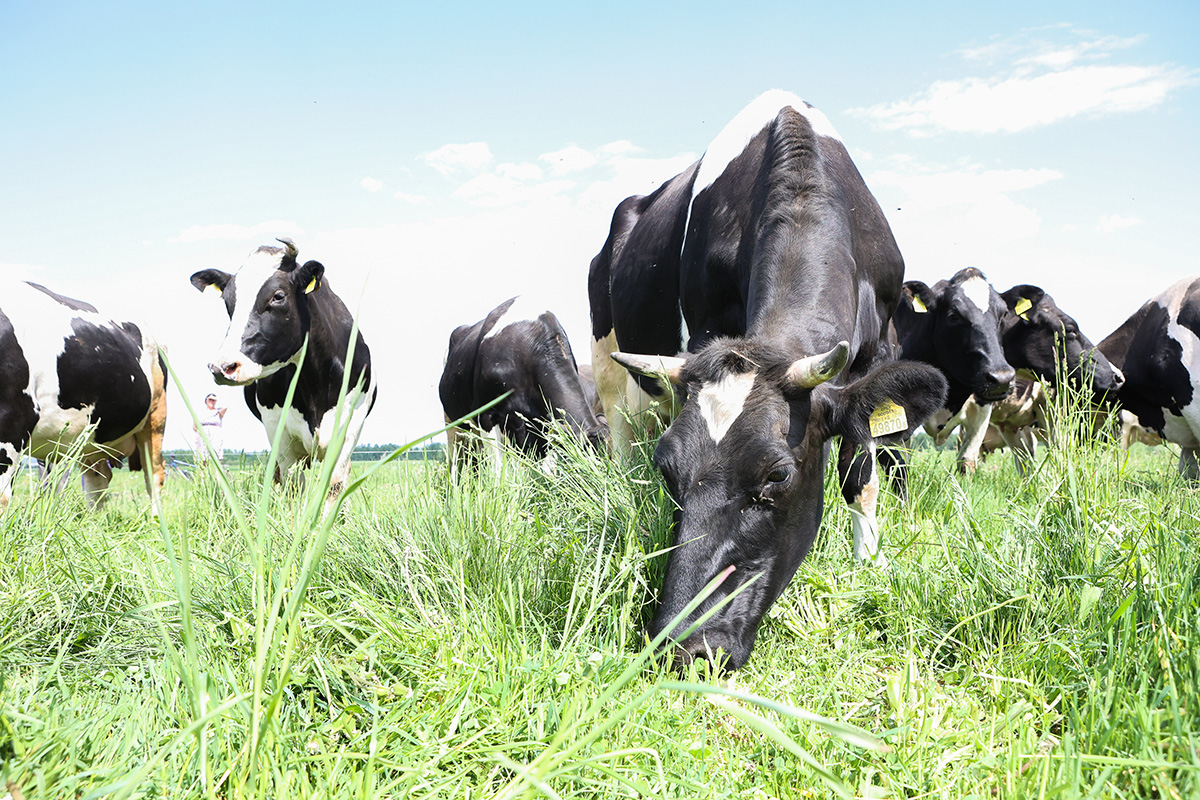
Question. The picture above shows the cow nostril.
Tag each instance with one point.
(1001, 377)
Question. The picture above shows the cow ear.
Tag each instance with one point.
(889, 403)
(919, 298)
(213, 279)
(1022, 299)
(308, 278)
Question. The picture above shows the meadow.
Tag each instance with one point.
(482, 637)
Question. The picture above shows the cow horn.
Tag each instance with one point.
(668, 367)
(810, 371)
(289, 246)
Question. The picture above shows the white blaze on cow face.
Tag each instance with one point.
(234, 365)
(721, 402)
(978, 291)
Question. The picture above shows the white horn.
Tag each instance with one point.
(812, 371)
(289, 246)
(668, 367)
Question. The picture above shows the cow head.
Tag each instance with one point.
(1042, 338)
(268, 312)
(745, 462)
(956, 325)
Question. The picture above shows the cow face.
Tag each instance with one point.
(268, 312)
(958, 322)
(745, 462)
(1041, 337)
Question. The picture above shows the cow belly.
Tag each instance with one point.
(1182, 430)
(59, 429)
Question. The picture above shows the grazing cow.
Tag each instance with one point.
(771, 261)
(527, 353)
(955, 326)
(274, 302)
(1039, 340)
(74, 381)
(1158, 351)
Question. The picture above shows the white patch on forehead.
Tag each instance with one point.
(978, 291)
(520, 311)
(247, 282)
(721, 402)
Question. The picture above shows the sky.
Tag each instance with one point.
(439, 158)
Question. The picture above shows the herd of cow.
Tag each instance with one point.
(753, 307)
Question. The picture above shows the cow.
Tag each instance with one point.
(1158, 351)
(76, 382)
(955, 326)
(771, 263)
(525, 352)
(1039, 340)
(274, 304)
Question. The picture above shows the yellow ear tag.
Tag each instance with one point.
(312, 286)
(1021, 307)
(888, 417)
(918, 306)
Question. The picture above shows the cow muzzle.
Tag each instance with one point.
(234, 371)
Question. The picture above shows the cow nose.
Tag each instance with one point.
(226, 369)
(998, 379)
(716, 646)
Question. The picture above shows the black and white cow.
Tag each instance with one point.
(1158, 351)
(524, 350)
(955, 326)
(65, 368)
(771, 261)
(1039, 340)
(274, 302)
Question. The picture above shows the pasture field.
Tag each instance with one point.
(1034, 637)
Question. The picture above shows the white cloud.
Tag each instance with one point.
(451, 158)
(19, 271)
(944, 219)
(569, 159)
(500, 191)
(520, 172)
(411, 199)
(269, 229)
(1039, 83)
(1114, 222)
(372, 184)
(621, 147)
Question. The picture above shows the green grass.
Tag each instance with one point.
(1034, 637)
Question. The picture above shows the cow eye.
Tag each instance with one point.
(779, 475)
(279, 296)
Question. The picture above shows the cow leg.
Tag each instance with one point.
(149, 439)
(942, 432)
(970, 440)
(1188, 466)
(96, 477)
(10, 462)
(895, 464)
(860, 488)
(611, 386)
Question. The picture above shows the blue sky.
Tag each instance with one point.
(448, 156)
